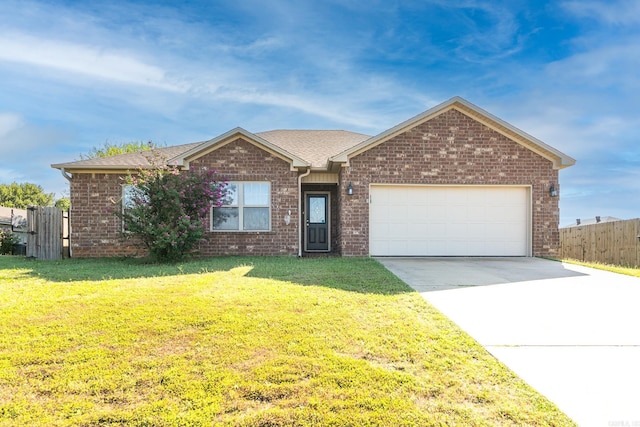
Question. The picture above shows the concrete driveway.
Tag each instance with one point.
(572, 333)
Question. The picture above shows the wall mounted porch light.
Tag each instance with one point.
(553, 192)
(350, 190)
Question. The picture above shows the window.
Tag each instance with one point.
(129, 195)
(247, 208)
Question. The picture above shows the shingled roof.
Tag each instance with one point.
(314, 146)
(126, 161)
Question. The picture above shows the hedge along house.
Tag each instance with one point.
(452, 181)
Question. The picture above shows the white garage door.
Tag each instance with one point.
(449, 221)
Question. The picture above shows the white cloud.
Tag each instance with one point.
(608, 65)
(93, 61)
(8, 123)
(616, 12)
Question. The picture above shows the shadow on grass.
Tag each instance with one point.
(363, 275)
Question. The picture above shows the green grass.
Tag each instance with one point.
(629, 271)
(242, 342)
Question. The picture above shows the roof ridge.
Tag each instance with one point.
(308, 130)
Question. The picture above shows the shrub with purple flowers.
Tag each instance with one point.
(167, 209)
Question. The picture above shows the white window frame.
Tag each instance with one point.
(241, 206)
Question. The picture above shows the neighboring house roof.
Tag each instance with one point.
(18, 219)
(589, 221)
(560, 160)
(320, 148)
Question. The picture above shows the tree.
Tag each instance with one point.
(21, 196)
(63, 203)
(165, 210)
(108, 149)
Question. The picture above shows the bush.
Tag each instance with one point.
(168, 209)
(8, 240)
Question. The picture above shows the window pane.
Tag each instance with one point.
(226, 219)
(317, 210)
(129, 193)
(256, 219)
(256, 194)
(232, 195)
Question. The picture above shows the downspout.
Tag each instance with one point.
(300, 226)
(65, 174)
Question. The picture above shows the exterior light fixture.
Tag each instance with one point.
(350, 189)
(553, 192)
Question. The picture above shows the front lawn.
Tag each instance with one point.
(242, 342)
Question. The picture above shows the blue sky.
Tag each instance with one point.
(77, 74)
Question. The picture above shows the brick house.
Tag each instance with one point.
(452, 181)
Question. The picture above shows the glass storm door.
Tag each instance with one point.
(317, 222)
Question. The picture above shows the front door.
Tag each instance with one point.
(317, 222)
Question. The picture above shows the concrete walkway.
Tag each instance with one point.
(572, 333)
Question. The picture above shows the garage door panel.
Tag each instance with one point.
(477, 233)
(402, 229)
(398, 212)
(382, 232)
(419, 213)
(457, 214)
(436, 231)
(449, 221)
(398, 198)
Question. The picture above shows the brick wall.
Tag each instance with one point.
(243, 161)
(96, 230)
(449, 149)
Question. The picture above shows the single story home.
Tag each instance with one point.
(452, 181)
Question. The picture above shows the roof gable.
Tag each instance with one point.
(559, 159)
(184, 158)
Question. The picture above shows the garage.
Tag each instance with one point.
(423, 220)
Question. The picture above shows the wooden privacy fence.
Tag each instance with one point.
(48, 232)
(616, 242)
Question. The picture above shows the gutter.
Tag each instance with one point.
(65, 174)
(300, 227)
